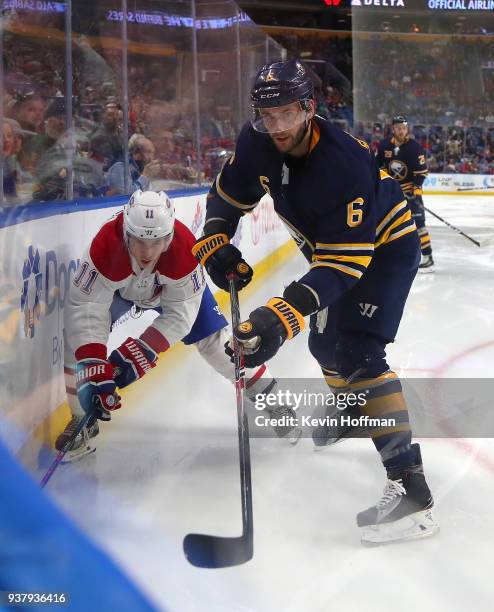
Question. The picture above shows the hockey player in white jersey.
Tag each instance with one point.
(140, 258)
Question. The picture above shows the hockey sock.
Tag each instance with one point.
(387, 420)
(425, 241)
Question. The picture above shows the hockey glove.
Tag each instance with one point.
(266, 330)
(219, 257)
(132, 360)
(96, 388)
(415, 198)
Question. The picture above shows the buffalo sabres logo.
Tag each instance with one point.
(398, 169)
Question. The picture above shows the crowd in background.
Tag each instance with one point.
(445, 88)
(39, 151)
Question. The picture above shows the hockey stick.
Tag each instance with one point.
(66, 447)
(475, 188)
(454, 228)
(210, 551)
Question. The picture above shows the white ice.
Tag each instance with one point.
(167, 465)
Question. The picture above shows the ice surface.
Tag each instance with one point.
(167, 466)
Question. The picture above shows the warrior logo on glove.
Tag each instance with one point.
(220, 258)
(292, 320)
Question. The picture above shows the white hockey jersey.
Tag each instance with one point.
(176, 285)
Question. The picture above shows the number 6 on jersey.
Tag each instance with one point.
(354, 215)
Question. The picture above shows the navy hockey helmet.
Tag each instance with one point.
(399, 119)
(279, 84)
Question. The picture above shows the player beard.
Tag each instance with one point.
(286, 142)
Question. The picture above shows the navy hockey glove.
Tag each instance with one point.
(266, 330)
(269, 326)
(415, 198)
(96, 388)
(131, 361)
(220, 258)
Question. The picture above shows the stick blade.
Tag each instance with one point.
(209, 551)
(487, 242)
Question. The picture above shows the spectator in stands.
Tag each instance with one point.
(450, 167)
(106, 141)
(29, 111)
(143, 167)
(10, 174)
(60, 154)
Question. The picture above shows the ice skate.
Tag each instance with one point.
(287, 427)
(83, 444)
(426, 265)
(326, 435)
(404, 512)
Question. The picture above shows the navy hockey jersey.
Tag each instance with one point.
(405, 163)
(335, 202)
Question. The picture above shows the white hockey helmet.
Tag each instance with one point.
(149, 215)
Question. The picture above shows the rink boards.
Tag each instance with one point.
(39, 258)
(41, 246)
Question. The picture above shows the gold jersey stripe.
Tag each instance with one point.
(342, 246)
(340, 267)
(230, 200)
(393, 212)
(403, 232)
(362, 260)
(385, 235)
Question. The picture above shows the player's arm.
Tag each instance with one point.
(236, 191)
(380, 155)
(86, 312)
(420, 170)
(180, 302)
(86, 325)
(183, 284)
(344, 249)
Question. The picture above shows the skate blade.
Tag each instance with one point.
(430, 270)
(413, 527)
(78, 454)
(319, 448)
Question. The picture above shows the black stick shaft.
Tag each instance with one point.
(475, 188)
(61, 454)
(453, 227)
(243, 427)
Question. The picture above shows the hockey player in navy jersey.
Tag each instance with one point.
(355, 228)
(404, 159)
(140, 258)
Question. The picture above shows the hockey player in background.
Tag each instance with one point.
(139, 258)
(404, 159)
(355, 228)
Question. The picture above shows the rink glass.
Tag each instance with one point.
(80, 81)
